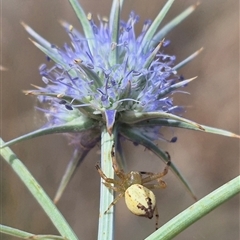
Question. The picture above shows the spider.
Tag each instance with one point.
(139, 199)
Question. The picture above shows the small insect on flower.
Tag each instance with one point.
(135, 186)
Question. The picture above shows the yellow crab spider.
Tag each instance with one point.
(139, 199)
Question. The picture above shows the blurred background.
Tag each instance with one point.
(207, 161)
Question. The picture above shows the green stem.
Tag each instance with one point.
(106, 221)
(197, 211)
(26, 235)
(33, 186)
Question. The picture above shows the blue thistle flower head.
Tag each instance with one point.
(110, 76)
(91, 84)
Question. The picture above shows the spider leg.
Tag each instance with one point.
(146, 173)
(107, 180)
(102, 174)
(108, 185)
(119, 172)
(161, 184)
(156, 176)
(120, 195)
(157, 217)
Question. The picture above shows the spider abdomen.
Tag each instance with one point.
(140, 200)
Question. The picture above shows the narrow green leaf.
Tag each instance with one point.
(46, 48)
(38, 37)
(115, 17)
(77, 158)
(132, 117)
(120, 156)
(198, 210)
(187, 60)
(172, 24)
(33, 186)
(85, 109)
(135, 136)
(26, 235)
(112, 13)
(175, 86)
(152, 56)
(88, 140)
(127, 91)
(56, 57)
(153, 28)
(92, 75)
(181, 124)
(88, 31)
(76, 125)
